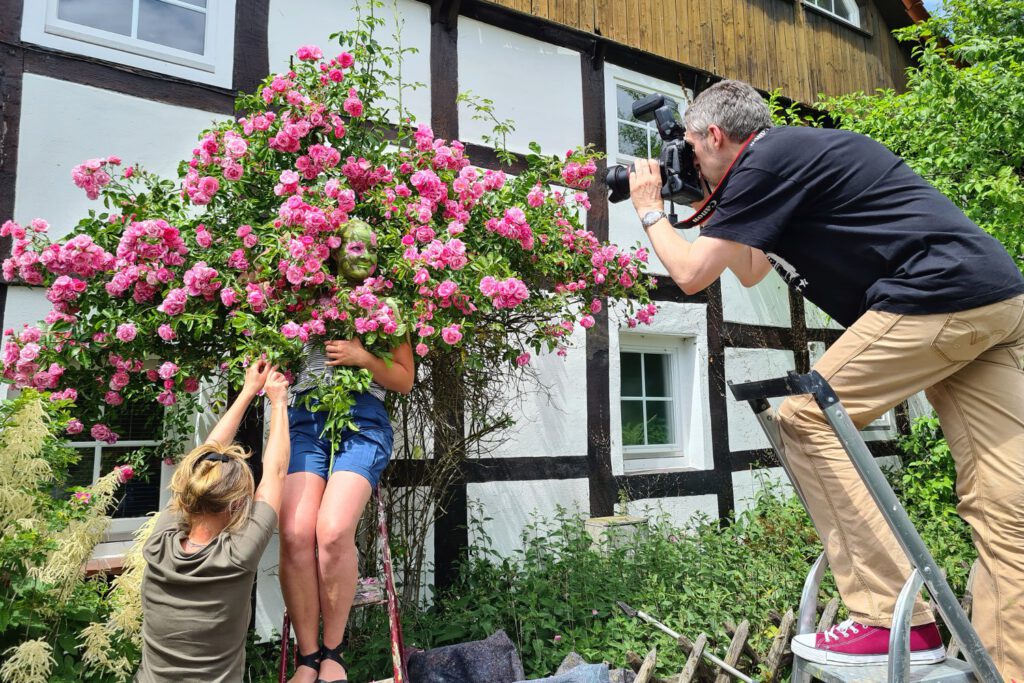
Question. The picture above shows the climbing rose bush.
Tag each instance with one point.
(177, 283)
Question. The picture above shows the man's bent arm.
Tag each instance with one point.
(694, 266)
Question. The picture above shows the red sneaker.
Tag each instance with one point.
(853, 643)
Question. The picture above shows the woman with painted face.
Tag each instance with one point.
(323, 500)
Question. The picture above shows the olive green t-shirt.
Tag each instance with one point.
(196, 606)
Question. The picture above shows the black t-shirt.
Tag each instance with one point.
(851, 227)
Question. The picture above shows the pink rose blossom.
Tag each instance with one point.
(126, 332)
(74, 426)
(353, 106)
(101, 432)
(167, 370)
(452, 334)
(166, 332)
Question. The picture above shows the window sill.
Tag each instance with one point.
(640, 468)
(839, 20)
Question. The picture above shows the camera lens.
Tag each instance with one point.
(617, 180)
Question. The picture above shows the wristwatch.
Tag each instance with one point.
(651, 217)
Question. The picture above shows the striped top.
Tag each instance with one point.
(315, 367)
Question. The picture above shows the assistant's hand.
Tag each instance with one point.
(276, 386)
(645, 186)
(348, 352)
(255, 377)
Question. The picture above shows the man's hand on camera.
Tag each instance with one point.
(645, 186)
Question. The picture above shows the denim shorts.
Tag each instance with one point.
(365, 452)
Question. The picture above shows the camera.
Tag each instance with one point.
(680, 181)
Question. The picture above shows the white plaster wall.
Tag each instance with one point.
(550, 411)
(817, 318)
(63, 124)
(748, 365)
(269, 601)
(311, 22)
(536, 84)
(513, 505)
(748, 484)
(672, 320)
(25, 306)
(625, 230)
(682, 511)
(766, 303)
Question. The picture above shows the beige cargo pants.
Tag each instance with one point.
(971, 366)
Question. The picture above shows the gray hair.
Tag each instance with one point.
(733, 106)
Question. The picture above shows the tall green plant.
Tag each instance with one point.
(45, 541)
(958, 123)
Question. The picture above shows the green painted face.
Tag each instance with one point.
(356, 258)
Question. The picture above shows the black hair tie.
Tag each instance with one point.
(216, 457)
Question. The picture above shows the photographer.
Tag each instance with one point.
(930, 301)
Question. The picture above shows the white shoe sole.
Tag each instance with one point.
(817, 656)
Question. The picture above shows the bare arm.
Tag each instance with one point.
(277, 452)
(751, 267)
(226, 429)
(693, 266)
(398, 375)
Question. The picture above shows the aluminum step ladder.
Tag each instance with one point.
(979, 666)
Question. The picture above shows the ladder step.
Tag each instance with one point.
(948, 671)
(369, 591)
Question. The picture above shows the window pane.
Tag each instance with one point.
(138, 497)
(656, 144)
(136, 422)
(175, 27)
(659, 426)
(80, 474)
(625, 97)
(633, 140)
(630, 374)
(107, 15)
(842, 9)
(656, 371)
(632, 423)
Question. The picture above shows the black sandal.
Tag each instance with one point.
(333, 654)
(312, 660)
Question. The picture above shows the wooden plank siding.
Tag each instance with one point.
(768, 43)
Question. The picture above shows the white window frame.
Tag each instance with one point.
(673, 352)
(41, 26)
(850, 5)
(682, 333)
(120, 525)
(636, 81)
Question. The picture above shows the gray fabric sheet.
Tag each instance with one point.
(492, 660)
(584, 673)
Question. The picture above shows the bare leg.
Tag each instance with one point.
(343, 503)
(303, 492)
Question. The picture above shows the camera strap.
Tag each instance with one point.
(705, 210)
